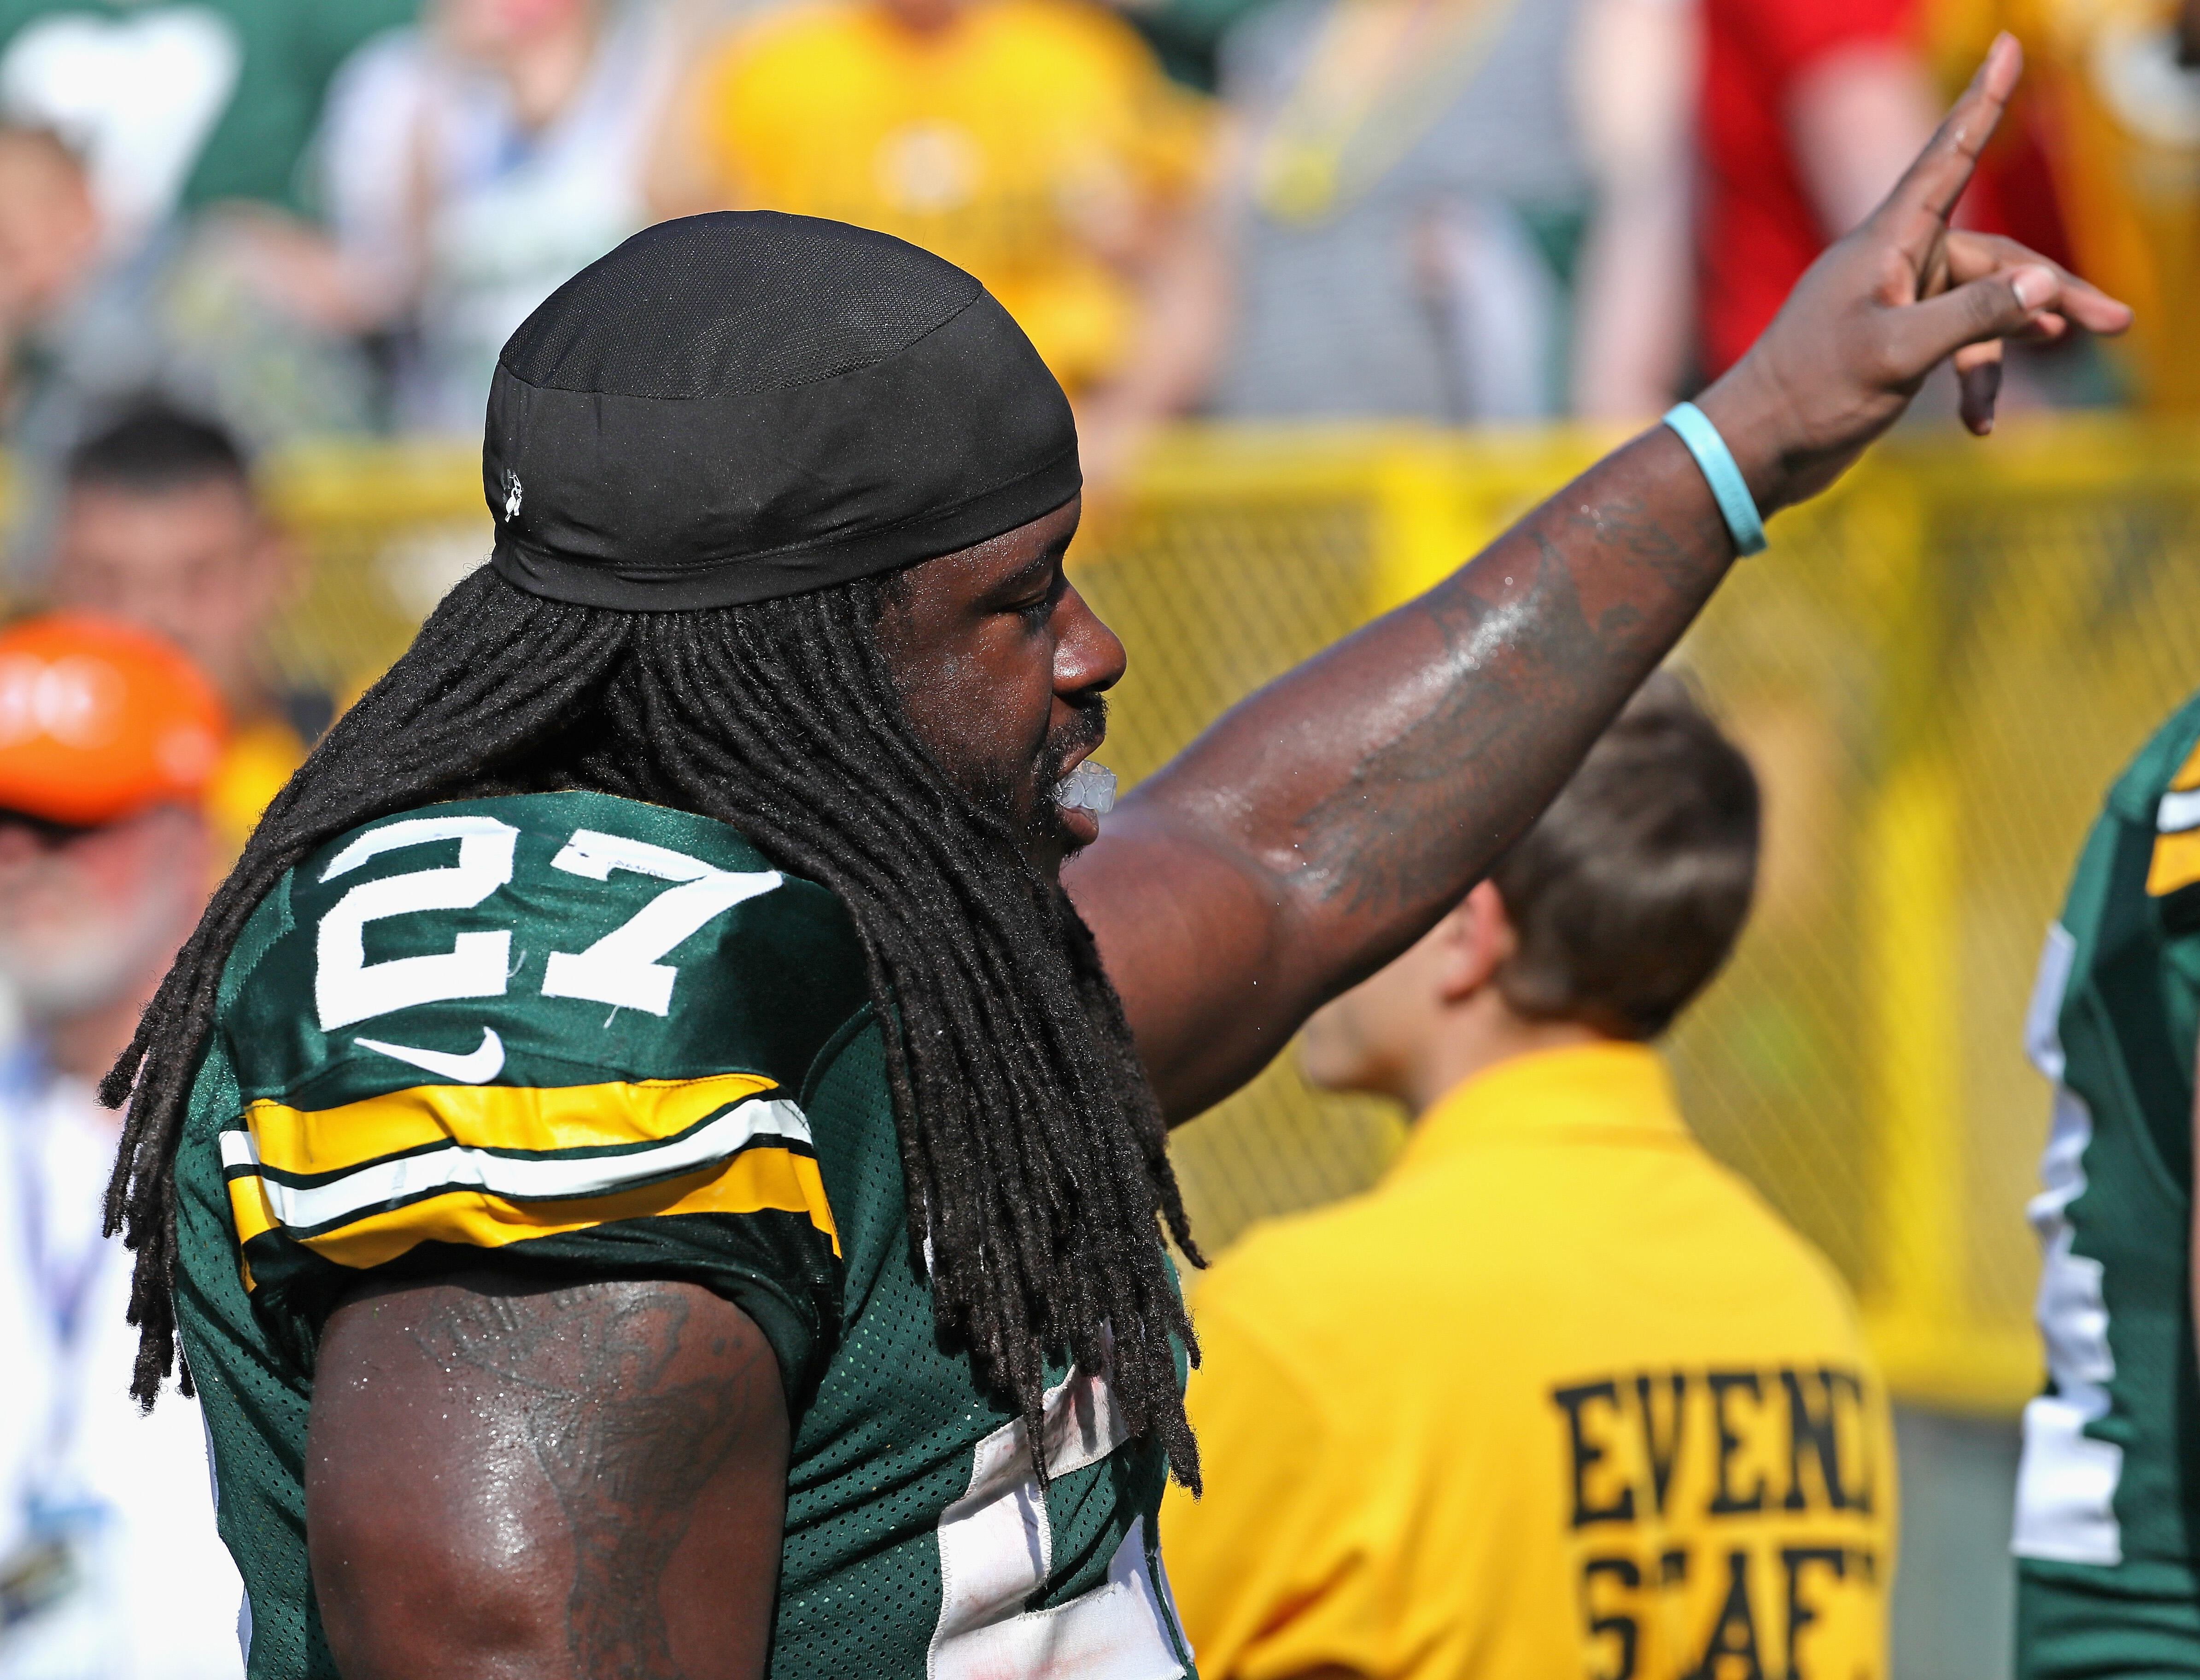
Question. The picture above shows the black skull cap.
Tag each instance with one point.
(737, 406)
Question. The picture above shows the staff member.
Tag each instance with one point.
(1561, 1395)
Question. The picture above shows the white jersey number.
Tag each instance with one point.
(346, 988)
(625, 968)
(622, 968)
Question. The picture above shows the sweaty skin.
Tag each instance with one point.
(505, 1479)
(533, 1484)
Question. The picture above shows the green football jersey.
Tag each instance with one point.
(604, 1039)
(2108, 1510)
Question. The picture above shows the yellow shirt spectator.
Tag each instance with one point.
(1035, 142)
(1560, 1398)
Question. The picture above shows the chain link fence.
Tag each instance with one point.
(1937, 671)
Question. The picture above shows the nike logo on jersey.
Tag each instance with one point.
(475, 1067)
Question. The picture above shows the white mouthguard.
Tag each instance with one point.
(1089, 787)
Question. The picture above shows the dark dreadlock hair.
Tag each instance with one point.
(1031, 1142)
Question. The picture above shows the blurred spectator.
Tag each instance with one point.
(1186, 35)
(1449, 210)
(180, 106)
(2116, 84)
(92, 317)
(1810, 110)
(159, 526)
(1560, 1396)
(110, 1568)
(471, 166)
(1035, 142)
(51, 232)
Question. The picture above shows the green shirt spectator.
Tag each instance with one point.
(213, 101)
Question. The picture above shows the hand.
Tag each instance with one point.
(1884, 306)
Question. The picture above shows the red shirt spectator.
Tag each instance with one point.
(1810, 110)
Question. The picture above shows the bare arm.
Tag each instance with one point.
(1327, 822)
(545, 1484)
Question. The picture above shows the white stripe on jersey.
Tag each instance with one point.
(2066, 1484)
(538, 1178)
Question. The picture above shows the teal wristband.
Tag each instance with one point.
(1736, 504)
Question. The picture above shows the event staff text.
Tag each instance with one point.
(1723, 1522)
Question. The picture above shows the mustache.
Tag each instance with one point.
(1021, 802)
(1086, 729)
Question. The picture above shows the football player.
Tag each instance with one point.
(655, 1159)
(2108, 1504)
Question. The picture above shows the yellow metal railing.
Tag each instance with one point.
(1938, 670)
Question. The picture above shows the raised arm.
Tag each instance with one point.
(545, 1484)
(1323, 824)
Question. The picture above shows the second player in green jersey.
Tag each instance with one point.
(2108, 1512)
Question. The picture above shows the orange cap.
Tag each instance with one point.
(100, 720)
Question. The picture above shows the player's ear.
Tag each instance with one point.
(1477, 939)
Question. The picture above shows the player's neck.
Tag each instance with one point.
(1481, 1033)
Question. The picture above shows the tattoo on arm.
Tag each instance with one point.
(589, 1371)
(1326, 821)
(1518, 674)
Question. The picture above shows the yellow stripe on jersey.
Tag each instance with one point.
(751, 1181)
(488, 1116)
(2188, 773)
(489, 1165)
(248, 1206)
(2176, 861)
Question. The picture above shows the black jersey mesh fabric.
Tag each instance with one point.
(718, 306)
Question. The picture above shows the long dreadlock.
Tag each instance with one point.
(1031, 1146)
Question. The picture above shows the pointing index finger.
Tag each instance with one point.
(1916, 212)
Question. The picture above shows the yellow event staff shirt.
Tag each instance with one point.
(1560, 1398)
(1030, 142)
